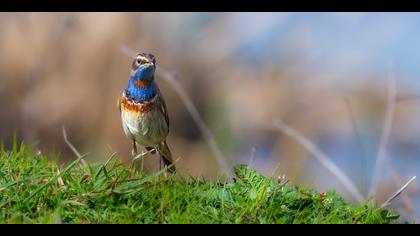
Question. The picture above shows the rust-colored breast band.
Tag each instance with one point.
(136, 107)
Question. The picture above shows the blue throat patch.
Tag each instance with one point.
(140, 95)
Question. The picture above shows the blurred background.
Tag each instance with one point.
(324, 74)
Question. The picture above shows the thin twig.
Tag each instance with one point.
(386, 131)
(322, 158)
(275, 169)
(408, 203)
(59, 179)
(144, 153)
(141, 155)
(253, 154)
(173, 163)
(103, 168)
(205, 131)
(359, 142)
(387, 202)
(109, 159)
(87, 171)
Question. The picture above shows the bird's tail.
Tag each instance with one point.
(166, 156)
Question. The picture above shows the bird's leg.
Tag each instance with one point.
(133, 153)
(134, 150)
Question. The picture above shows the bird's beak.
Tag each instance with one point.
(149, 64)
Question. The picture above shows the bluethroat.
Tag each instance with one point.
(143, 110)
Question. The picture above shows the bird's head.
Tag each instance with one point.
(143, 70)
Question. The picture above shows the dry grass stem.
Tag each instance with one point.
(321, 157)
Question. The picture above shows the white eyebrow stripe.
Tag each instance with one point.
(142, 58)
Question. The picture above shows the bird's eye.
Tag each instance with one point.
(135, 64)
(141, 60)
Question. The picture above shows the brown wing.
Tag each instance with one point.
(119, 100)
(162, 105)
(119, 103)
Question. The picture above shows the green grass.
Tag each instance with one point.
(30, 192)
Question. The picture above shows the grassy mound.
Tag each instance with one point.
(34, 189)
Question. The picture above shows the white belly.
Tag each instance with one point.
(148, 129)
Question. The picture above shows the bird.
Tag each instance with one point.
(143, 111)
